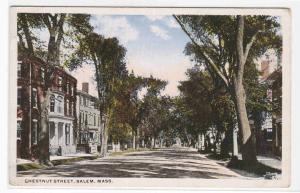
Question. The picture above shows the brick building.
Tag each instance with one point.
(271, 134)
(35, 78)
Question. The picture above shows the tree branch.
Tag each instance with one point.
(203, 53)
(45, 18)
(249, 45)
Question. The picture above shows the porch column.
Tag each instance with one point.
(63, 134)
(71, 135)
(56, 139)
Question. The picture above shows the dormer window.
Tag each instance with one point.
(60, 83)
(52, 103)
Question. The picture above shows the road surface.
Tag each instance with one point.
(163, 163)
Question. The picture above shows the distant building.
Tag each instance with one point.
(31, 74)
(89, 121)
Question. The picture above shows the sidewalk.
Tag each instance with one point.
(23, 164)
(268, 160)
(56, 157)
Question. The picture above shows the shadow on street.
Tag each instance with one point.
(165, 163)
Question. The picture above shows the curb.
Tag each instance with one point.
(32, 166)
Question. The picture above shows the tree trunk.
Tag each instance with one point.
(153, 142)
(248, 139)
(133, 140)
(225, 143)
(25, 27)
(143, 143)
(235, 150)
(43, 139)
(53, 52)
(248, 147)
(104, 138)
(137, 139)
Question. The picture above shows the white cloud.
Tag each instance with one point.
(159, 32)
(155, 17)
(172, 23)
(115, 27)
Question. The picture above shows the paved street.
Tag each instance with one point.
(164, 163)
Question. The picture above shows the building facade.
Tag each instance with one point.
(37, 82)
(270, 136)
(89, 121)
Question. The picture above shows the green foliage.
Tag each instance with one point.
(125, 118)
(153, 111)
(68, 28)
(203, 105)
(216, 35)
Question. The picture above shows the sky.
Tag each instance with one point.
(154, 43)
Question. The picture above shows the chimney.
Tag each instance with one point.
(85, 87)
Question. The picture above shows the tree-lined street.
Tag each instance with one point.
(163, 163)
(220, 107)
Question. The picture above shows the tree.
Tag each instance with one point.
(225, 44)
(125, 114)
(108, 58)
(77, 25)
(206, 105)
(151, 113)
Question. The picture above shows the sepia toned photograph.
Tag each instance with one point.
(149, 97)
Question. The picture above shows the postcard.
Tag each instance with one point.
(150, 97)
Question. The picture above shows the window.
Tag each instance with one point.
(91, 104)
(67, 133)
(269, 134)
(91, 137)
(34, 97)
(42, 75)
(67, 107)
(19, 129)
(90, 121)
(34, 130)
(94, 120)
(86, 121)
(68, 87)
(71, 109)
(52, 130)
(81, 118)
(19, 96)
(59, 104)
(84, 101)
(80, 100)
(52, 103)
(60, 83)
(19, 69)
(72, 90)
